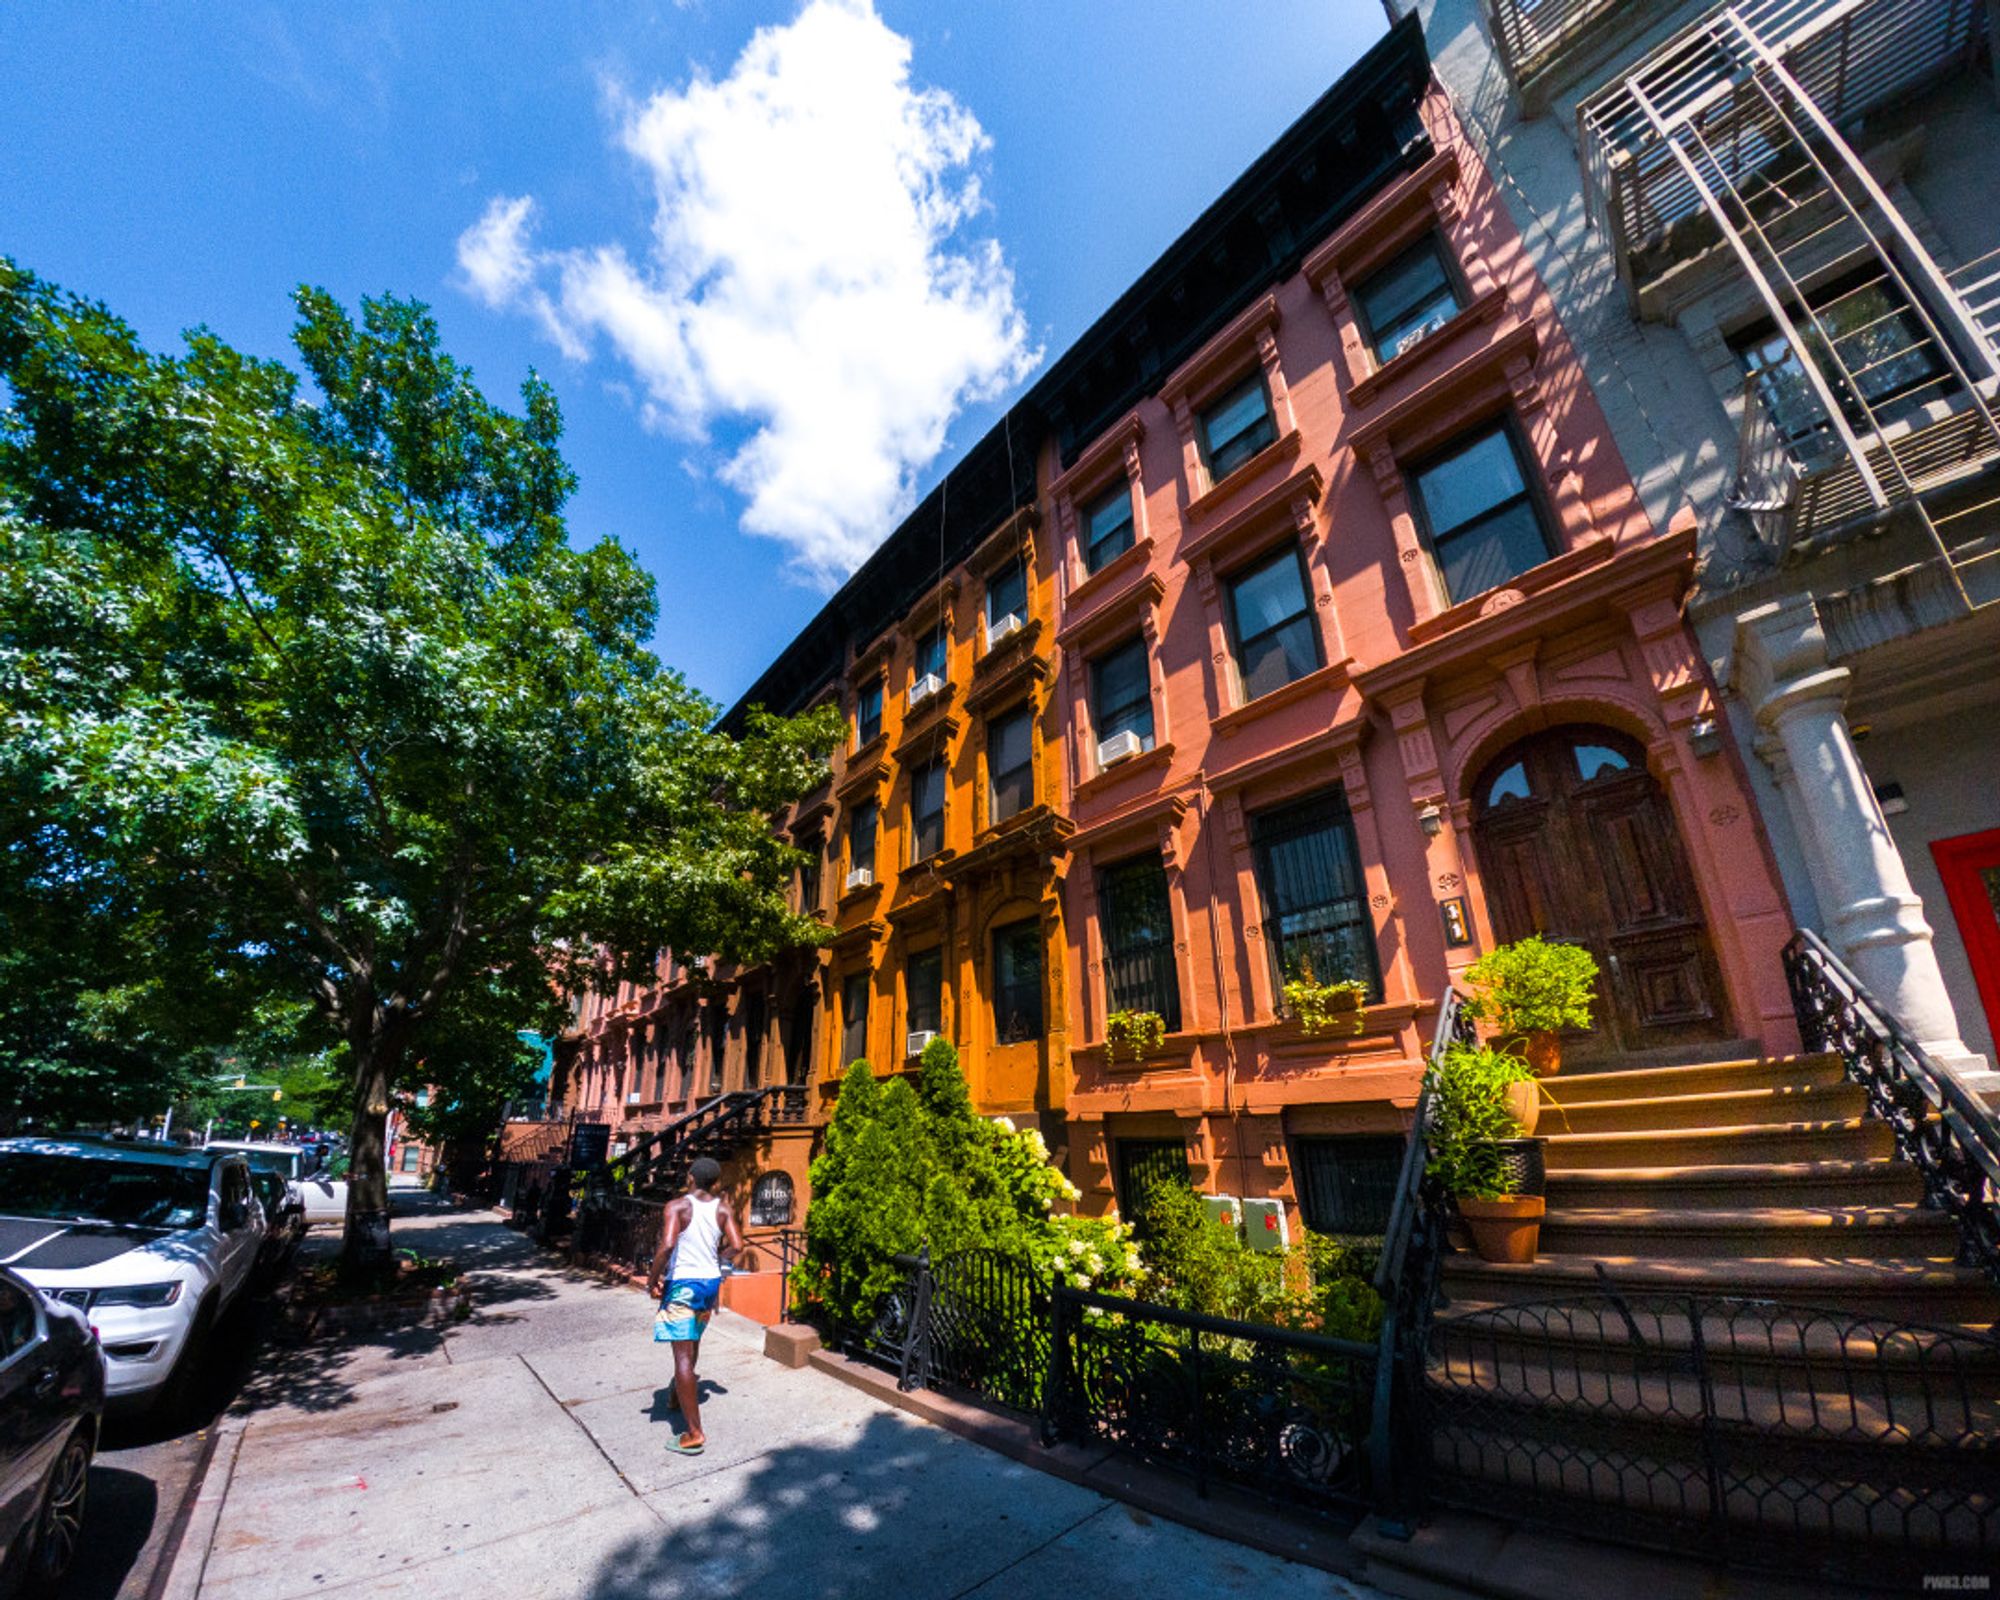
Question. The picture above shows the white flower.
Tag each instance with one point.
(1094, 1262)
(1077, 1247)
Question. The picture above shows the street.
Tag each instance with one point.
(525, 1446)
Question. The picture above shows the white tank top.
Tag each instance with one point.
(694, 1250)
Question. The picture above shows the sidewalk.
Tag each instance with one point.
(523, 1454)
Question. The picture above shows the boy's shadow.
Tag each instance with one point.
(665, 1408)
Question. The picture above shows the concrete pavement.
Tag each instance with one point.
(523, 1453)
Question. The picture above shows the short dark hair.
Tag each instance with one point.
(706, 1172)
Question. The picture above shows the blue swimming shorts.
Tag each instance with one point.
(688, 1303)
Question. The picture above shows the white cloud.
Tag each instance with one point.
(809, 281)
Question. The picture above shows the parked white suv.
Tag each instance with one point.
(151, 1243)
(323, 1197)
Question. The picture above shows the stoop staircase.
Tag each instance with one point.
(1745, 1336)
(657, 1166)
(1760, 1179)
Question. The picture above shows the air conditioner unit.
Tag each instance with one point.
(1264, 1225)
(917, 1042)
(926, 686)
(1119, 747)
(860, 877)
(1002, 628)
(632, 1099)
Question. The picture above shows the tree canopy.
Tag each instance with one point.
(306, 696)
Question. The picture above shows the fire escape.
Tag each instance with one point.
(1879, 405)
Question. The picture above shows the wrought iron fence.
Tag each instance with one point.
(1940, 1128)
(622, 1229)
(1761, 1433)
(1286, 1414)
(989, 1329)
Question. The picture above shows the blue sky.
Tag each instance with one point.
(778, 285)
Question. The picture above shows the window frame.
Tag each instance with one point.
(1023, 713)
(872, 810)
(1532, 494)
(872, 689)
(940, 638)
(1280, 823)
(1256, 377)
(1086, 513)
(1028, 930)
(919, 774)
(913, 1022)
(1015, 567)
(1167, 988)
(1308, 612)
(1310, 1149)
(854, 1019)
(1099, 723)
(1454, 282)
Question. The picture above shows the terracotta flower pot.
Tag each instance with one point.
(1508, 1229)
(1544, 1050)
(1524, 1105)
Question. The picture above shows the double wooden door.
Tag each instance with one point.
(1576, 841)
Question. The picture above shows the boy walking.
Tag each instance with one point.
(698, 1226)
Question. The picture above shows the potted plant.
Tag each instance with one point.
(1134, 1035)
(1335, 1005)
(1531, 990)
(1474, 1141)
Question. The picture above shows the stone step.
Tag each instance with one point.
(1844, 1139)
(1920, 1289)
(1821, 1233)
(1768, 1072)
(1781, 1183)
(1720, 1108)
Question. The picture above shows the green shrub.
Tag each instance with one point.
(1199, 1263)
(1533, 986)
(1469, 1118)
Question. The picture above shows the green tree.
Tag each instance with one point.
(303, 685)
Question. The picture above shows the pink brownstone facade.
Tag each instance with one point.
(1370, 770)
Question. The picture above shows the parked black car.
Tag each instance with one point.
(51, 1406)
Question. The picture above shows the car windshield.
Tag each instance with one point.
(280, 1161)
(66, 1188)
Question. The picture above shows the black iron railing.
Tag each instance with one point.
(621, 1229)
(1940, 1127)
(1756, 1432)
(1286, 1414)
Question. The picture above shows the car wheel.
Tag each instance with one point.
(59, 1527)
(181, 1391)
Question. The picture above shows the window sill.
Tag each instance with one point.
(1217, 494)
(1009, 650)
(856, 896)
(932, 723)
(1325, 678)
(1176, 1051)
(1587, 553)
(866, 769)
(1147, 761)
(1485, 308)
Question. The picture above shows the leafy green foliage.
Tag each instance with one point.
(1334, 1007)
(1469, 1117)
(1199, 1263)
(904, 1169)
(1134, 1035)
(305, 696)
(1533, 986)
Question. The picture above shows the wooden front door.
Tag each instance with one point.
(1970, 868)
(1576, 841)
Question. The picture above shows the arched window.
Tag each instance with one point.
(771, 1201)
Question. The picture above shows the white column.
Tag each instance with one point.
(1874, 918)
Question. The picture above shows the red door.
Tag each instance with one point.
(1970, 868)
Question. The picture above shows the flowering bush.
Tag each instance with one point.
(1097, 1253)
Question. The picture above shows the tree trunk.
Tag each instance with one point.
(364, 1246)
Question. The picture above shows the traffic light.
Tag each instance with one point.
(277, 1094)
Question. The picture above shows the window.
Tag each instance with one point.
(1309, 875)
(1143, 1165)
(1483, 523)
(868, 713)
(753, 1041)
(1107, 527)
(771, 1201)
(1139, 970)
(1007, 593)
(18, 1324)
(1236, 427)
(659, 1063)
(411, 1155)
(1017, 983)
(718, 1034)
(1010, 764)
(923, 980)
(1271, 616)
(1121, 696)
(1877, 338)
(814, 848)
(854, 1017)
(861, 838)
(931, 655)
(927, 810)
(1347, 1185)
(1410, 298)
